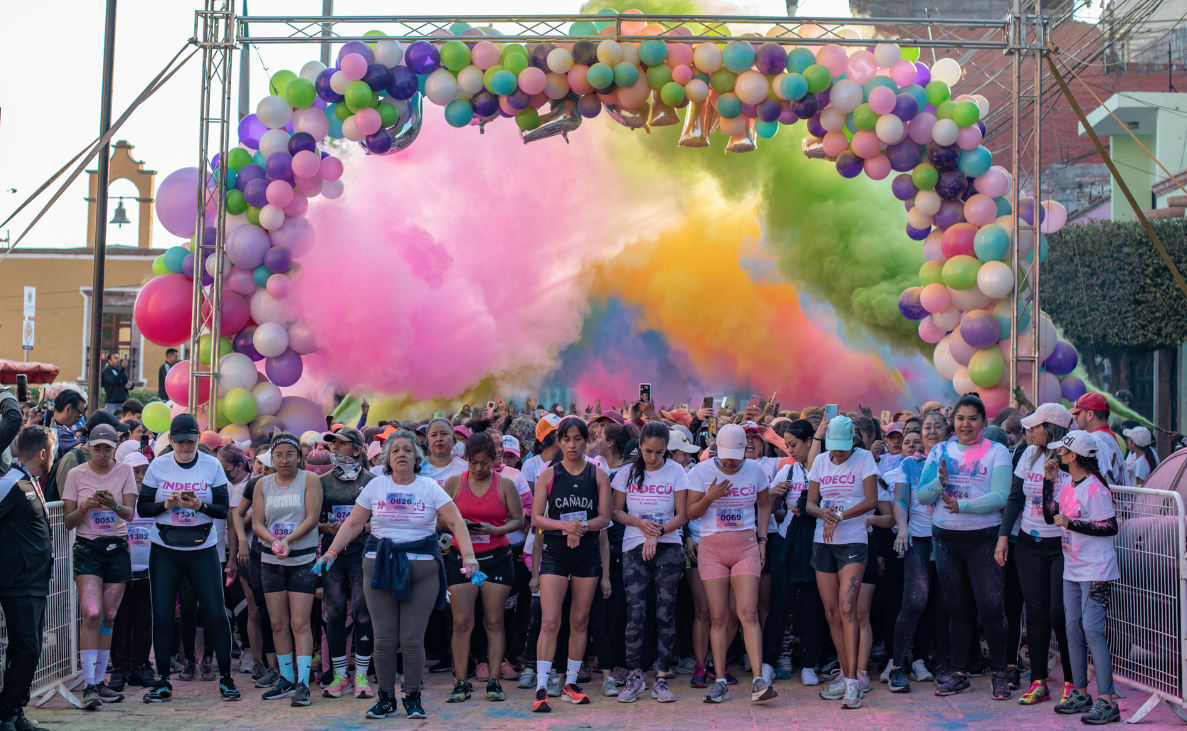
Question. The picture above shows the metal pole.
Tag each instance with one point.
(94, 368)
(1015, 32)
(1036, 248)
(327, 10)
(245, 73)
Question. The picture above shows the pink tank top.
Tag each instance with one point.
(486, 508)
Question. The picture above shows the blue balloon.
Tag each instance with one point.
(302, 141)
(260, 275)
(401, 83)
(975, 162)
(376, 77)
(800, 59)
(738, 56)
(458, 113)
(991, 243)
(335, 123)
(258, 159)
(1003, 206)
(322, 85)
(174, 257)
(248, 173)
(232, 176)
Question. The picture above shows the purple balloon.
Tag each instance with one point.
(176, 199)
(247, 245)
(508, 115)
(539, 56)
(905, 155)
(1072, 388)
(824, 98)
(903, 187)
(815, 128)
(849, 165)
(917, 234)
(981, 126)
(295, 234)
(422, 58)
(378, 143)
(356, 47)
(589, 106)
(519, 100)
(302, 141)
(285, 369)
(952, 185)
(909, 306)
(806, 107)
(951, 212)
(750, 111)
(376, 77)
(250, 131)
(243, 343)
(248, 173)
(980, 329)
(401, 82)
(922, 74)
(277, 259)
(256, 193)
(905, 107)
(485, 104)
(1063, 359)
(1026, 209)
(786, 116)
(279, 165)
(324, 90)
(943, 158)
(769, 110)
(213, 165)
(301, 415)
(770, 59)
(187, 266)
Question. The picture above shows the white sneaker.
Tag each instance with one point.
(835, 691)
(852, 697)
(746, 663)
(808, 677)
(863, 681)
(885, 676)
(768, 673)
(246, 662)
(554, 684)
(919, 672)
(686, 666)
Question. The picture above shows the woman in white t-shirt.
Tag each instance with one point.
(1141, 459)
(842, 488)
(650, 499)
(403, 571)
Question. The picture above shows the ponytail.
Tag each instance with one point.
(650, 430)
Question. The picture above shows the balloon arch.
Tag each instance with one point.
(870, 106)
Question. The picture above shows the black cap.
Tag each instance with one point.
(631, 451)
(184, 427)
(100, 417)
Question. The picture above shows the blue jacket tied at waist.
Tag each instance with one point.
(393, 573)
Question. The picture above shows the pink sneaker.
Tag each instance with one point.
(337, 687)
(482, 672)
(362, 688)
(508, 671)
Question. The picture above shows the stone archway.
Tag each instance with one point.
(123, 166)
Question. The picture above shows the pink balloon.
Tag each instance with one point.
(878, 166)
(163, 309)
(980, 210)
(1056, 217)
(279, 193)
(935, 298)
(920, 127)
(834, 58)
(367, 120)
(539, 100)
(929, 332)
(177, 385)
(682, 75)
(861, 67)
(235, 313)
(995, 399)
(903, 73)
(312, 121)
(578, 79)
(932, 248)
(969, 138)
(331, 168)
(485, 54)
(532, 80)
(835, 143)
(865, 143)
(354, 67)
(240, 280)
(882, 100)
(279, 286)
(306, 163)
(961, 351)
(309, 186)
(958, 239)
(298, 205)
(679, 54)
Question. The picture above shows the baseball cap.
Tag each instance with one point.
(265, 458)
(374, 450)
(631, 451)
(184, 428)
(612, 415)
(463, 431)
(1093, 401)
(1049, 413)
(840, 434)
(752, 428)
(546, 426)
(1079, 441)
(103, 434)
(136, 459)
(896, 426)
(678, 442)
(346, 434)
(731, 442)
(680, 416)
(682, 429)
(511, 444)
(1140, 435)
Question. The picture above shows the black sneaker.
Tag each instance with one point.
(189, 671)
(494, 691)
(300, 694)
(444, 665)
(941, 672)
(583, 674)
(461, 692)
(20, 723)
(161, 691)
(384, 706)
(107, 695)
(208, 669)
(1001, 686)
(979, 665)
(90, 698)
(282, 689)
(118, 679)
(956, 683)
(268, 679)
(226, 688)
(1014, 677)
(1102, 712)
(898, 681)
(1077, 702)
(327, 678)
(143, 677)
(412, 705)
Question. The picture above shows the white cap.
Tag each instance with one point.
(511, 444)
(136, 459)
(1049, 413)
(1140, 435)
(731, 442)
(679, 442)
(265, 458)
(1079, 441)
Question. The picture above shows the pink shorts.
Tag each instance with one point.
(729, 553)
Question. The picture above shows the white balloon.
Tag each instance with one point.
(338, 82)
(834, 121)
(982, 104)
(440, 87)
(301, 338)
(846, 96)
(273, 141)
(946, 320)
(890, 129)
(630, 54)
(696, 90)
(1047, 336)
(226, 266)
(271, 217)
(332, 189)
(918, 219)
(235, 370)
(887, 54)
(928, 201)
(942, 359)
(469, 80)
(968, 299)
(389, 53)
(270, 339)
(234, 222)
(946, 70)
(962, 383)
(274, 111)
(268, 398)
(312, 70)
(350, 131)
(945, 132)
(995, 279)
(266, 308)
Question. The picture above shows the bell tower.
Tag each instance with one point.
(123, 166)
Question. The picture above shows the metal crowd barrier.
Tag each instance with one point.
(1147, 617)
(58, 671)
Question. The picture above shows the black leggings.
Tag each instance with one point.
(1040, 570)
(344, 584)
(131, 638)
(1013, 603)
(974, 588)
(920, 588)
(607, 620)
(166, 569)
(257, 592)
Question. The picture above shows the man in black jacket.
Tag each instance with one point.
(27, 553)
(170, 361)
(115, 381)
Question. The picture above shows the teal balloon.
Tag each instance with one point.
(729, 105)
(260, 275)
(583, 28)
(991, 243)
(877, 81)
(605, 11)
(975, 162)
(626, 75)
(919, 93)
(1003, 206)
(503, 83)
(800, 59)
(420, 84)
(458, 112)
(766, 130)
(653, 52)
(1042, 251)
(738, 56)
(600, 76)
(232, 176)
(850, 124)
(793, 87)
(258, 159)
(174, 256)
(1002, 314)
(335, 123)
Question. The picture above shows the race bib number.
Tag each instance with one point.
(103, 521)
(729, 519)
(283, 530)
(479, 538)
(183, 516)
(578, 515)
(659, 520)
(401, 502)
(342, 512)
(138, 536)
(1036, 508)
(834, 504)
(1067, 541)
(957, 494)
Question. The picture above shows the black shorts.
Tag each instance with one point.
(498, 566)
(582, 562)
(830, 558)
(297, 579)
(108, 558)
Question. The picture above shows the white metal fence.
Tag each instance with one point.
(58, 670)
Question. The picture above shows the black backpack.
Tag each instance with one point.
(50, 487)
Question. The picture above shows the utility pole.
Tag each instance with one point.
(95, 361)
(327, 9)
(1170, 71)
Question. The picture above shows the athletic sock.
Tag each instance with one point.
(574, 668)
(543, 668)
(339, 666)
(89, 659)
(303, 663)
(362, 663)
(101, 657)
(286, 666)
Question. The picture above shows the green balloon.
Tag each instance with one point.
(388, 115)
(723, 80)
(966, 113)
(173, 258)
(937, 93)
(528, 119)
(156, 417)
(515, 63)
(489, 75)
(280, 81)
(503, 83)
(158, 266)
(514, 49)
(253, 215)
(987, 367)
(818, 78)
(672, 94)
(374, 34)
(626, 75)
(865, 118)
(224, 347)
(924, 176)
(657, 76)
(600, 76)
(358, 95)
(236, 203)
(300, 93)
(458, 112)
(239, 405)
(455, 55)
(729, 105)
(220, 415)
(910, 53)
(932, 272)
(374, 99)
(653, 52)
(960, 272)
(944, 110)
(237, 158)
(343, 112)
(766, 130)
(583, 28)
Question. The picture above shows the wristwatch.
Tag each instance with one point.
(762, 539)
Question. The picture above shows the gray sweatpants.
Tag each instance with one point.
(401, 625)
(1085, 614)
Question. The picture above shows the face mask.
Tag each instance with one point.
(346, 468)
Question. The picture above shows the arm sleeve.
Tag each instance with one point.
(146, 505)
(1105, 527)
(929, 484)
(1050, 505)
(1014, 504)
(995, 499)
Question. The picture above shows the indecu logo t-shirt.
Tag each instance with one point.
(734, 510)
(199, 477)
(842, 486)
(651, 497)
